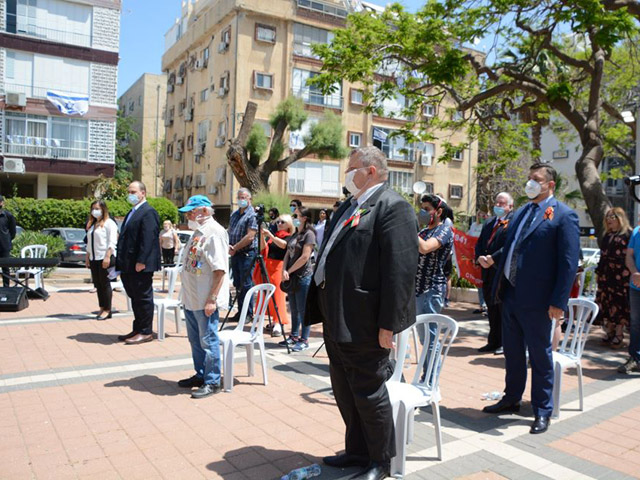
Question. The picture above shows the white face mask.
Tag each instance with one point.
(97, 213)
(350, 184)
(193, 225)
(532, 189)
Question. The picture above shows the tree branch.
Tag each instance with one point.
(632, 6)
(294, 157)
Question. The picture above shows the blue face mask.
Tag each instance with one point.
(292, 208)
(133, 199)
(424, 217)
(499, 211)
(243, 203)
(296, 222)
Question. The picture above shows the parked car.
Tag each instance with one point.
(75, 247)
(19, 230)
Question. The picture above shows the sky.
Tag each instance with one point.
(143, 25)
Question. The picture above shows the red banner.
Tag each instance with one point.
(464, 254)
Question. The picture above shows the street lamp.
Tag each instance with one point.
(628, 117)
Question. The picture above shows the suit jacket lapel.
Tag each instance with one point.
(540, 218)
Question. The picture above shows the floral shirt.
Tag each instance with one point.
(430, 274)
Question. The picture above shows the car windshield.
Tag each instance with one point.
(74, 234)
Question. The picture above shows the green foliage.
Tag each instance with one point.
(124, 158)
(32, 214)
(458, 282)
(326, 137)
(270, 200)
(257, 143)
(290, 111)
(55, 245)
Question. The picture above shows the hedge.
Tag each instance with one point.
(55, 245)
(32, 214)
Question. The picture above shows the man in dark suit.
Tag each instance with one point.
(7, 234)
(362, 292)
(488, 252)
(138, 256)
(535, 275)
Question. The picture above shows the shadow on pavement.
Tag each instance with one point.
(99, 338)
(271, 461)
(150, 384)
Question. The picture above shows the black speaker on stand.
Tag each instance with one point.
(13, 299)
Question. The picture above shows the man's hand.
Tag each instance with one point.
(385, 338)
(635, 279)
(232, 250)
(489, 260)
(285, 275)
(210, 307)
(105, 263)
(482, 261)
(555, 313)
(140, 267)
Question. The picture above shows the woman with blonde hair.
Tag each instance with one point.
(273, 248)
(102, 237)
(613, 277)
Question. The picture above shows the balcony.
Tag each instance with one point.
(35, 91)
(312, 97)
(21, 25)
(27, 146)
(325, 8)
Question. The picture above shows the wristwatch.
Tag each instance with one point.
(214, 298)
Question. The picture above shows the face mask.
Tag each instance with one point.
(499, 211)
(296, 222)
(482, 220)
(272, 216)
(424, 217)
(97, 213)
(133, 199)
(193, 225)
(292, 208)
(243, 203)
(532, 189)
(350, 184)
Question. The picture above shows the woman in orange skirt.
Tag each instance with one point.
(273, 248)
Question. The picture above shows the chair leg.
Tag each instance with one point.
(435, 408)
(400, 421)
(228, 366)
(263, 360)
(250, 360)
(557, 388)
(410, 425)
(161, 312)
(178, 316)
(580, 392)
(414, 334)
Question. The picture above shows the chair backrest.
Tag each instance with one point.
(582, 313)
(588, 283)
(172, 273)
(263, 293)
(34, 251)
(439, 333)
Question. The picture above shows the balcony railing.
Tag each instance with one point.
(26, 146)
(323, 7)
(21, 25)
(35, 91)
(311, 97)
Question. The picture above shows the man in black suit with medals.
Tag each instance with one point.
(488, 252)
(138, 256)
(363, 293)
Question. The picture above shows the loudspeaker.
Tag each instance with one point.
(13, 299)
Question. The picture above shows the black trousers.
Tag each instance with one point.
(102, 284)
(139, 287)
(167, 255)
(6, 270)
(494, 312)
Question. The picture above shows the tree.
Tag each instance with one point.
(246, 153)
(552, 56)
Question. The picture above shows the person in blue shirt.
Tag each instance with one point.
(633, 264)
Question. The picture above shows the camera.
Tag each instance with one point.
(633, 181)
(259, 209)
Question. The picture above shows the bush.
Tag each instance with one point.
(55, 245)
(32, 214)
(456, 281)
(270, 200)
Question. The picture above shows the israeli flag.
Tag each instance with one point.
(69, 105)
(380, 135)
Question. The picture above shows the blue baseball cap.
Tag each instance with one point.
(196, 201)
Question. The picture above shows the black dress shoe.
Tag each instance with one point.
(375, 471)
(104, 317)
(502, 406)
(346, 460)
(122, 338)
(206, 391)
(487, 348)
(191, 382)
(540, 425)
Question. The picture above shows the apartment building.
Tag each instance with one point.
(144, 104)
(220, 54)
(58, 79)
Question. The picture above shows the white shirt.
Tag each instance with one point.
(368, 192)
(320, 232)
(100, 239)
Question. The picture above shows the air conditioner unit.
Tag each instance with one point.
(425, 160)
(179, 80)
(222, 47)
(220, 142)
(222, 92)
(170, 88)
(188, 115)
(15, 99)
(201, 180)
(221, 175)
(177, 155)
(212, 190)
(200, 148)
(199, 65)
(13, 165)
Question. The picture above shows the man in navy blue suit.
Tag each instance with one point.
(538, 268)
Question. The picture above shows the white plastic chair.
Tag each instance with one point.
(588, 290)
(33, 251)
(230, 339)
(168, 303)
(582, 313)
(423, 390)
(166, 271)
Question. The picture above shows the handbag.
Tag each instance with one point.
(112, 261)
(291, 285)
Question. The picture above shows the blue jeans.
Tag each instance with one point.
(240, 265)
(634, 324)
(297, 301)
(429, 302)
(205, 344)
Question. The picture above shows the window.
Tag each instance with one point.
(222, 130)
(132, 106)
(393, 107)
(224, 84)
(266, 127)
(430, 189)
(139, 100)
(429, 110)
(357, 97)
(51, 137)
(203, 130)
(355, 139)
(322, 7)
(314, 178)
(265, 33)
(204, 95)
(455, 191)
(401, 181)
(458, 155)
(205, 57)
(190, 142)
(395, 148)
(426, 152)
(170, 149)
(225, 40)
(311, 95)
(263, 80)
(297, 137)
(305, 35)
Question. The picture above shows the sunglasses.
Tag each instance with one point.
(611, 215)
(280, 222)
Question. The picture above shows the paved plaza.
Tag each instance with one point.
(76, 403)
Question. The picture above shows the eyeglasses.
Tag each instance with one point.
(611, 216)
(280, 222)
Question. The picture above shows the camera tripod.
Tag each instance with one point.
(264, 276)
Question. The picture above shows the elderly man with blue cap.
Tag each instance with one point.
(205, 288)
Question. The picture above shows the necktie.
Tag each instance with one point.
(513, 266)
(318, 277)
